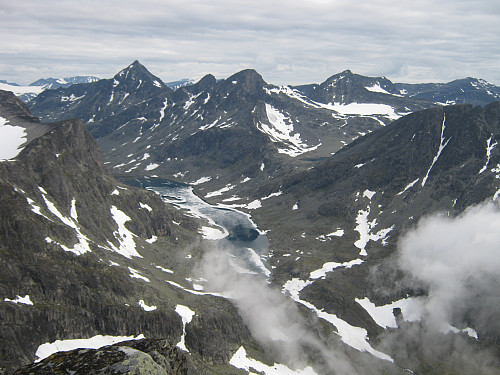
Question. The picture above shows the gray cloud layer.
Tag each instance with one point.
(288, 42)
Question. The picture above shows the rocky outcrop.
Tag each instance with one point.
(142, 357)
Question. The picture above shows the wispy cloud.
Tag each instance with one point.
(455, 262)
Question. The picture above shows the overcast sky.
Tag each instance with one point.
(288, 42)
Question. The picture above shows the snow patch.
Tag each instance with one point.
(145, 307)
(489, 148)
(83, 242)
(123, 235)
(166, 270)
(442, 145)
(145, 206)
(11, 139)
(201, 180)
(254, 205)
(355, 337)
(186, 315)
(95, 342)
(24, 300)
(411, 308)
(152, 239)
(280, 130)
(368, 194)
(136, 275)
(364, 228)
(409, 186)
(242, 361)
(151, 166)
(376, 88)
(330, 266)
(226, 188)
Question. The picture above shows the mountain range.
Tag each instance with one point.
(359, 184)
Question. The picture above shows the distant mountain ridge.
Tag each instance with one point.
(26, 93)
(467, 90)
(54, 83)
(203, 121)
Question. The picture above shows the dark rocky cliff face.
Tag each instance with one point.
(73, 239)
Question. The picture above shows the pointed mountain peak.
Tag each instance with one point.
(136, 72)
(206, 82)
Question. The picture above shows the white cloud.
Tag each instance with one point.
(458, 260)
(313, 39)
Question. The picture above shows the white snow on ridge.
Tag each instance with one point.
(71, 98)
(376, 88)
(363, 109)
(201, 180)
(409, 186)
(280, 130)
(95, 342)
(145, 307)
(24, 300)
(359, 109)
(11, 139)
(190, 101)
(145, 206)
(162, 110)
(276, 194)
(221, 191)
(165, 269)
(83, 242)
(412, 309)
(194, 291)
(440, 149)
(330, 266)
(242, 361)
(136, 275)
